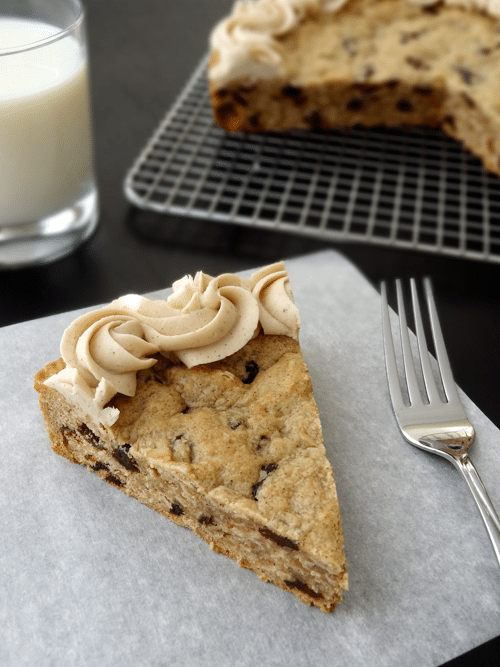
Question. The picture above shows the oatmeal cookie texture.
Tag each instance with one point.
(312, 64)
(231, 448)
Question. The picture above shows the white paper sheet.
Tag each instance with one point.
(89, 576)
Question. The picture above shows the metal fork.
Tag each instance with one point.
(428, 422)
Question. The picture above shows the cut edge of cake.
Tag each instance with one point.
(354, 82)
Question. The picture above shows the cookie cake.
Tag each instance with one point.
(201, 407)
(278, 65)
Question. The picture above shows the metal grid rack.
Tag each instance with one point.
(415, 189)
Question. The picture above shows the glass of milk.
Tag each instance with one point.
(48, 195)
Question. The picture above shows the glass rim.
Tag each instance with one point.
(46, 40)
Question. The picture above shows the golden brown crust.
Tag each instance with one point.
(380, 62)
(234, 451)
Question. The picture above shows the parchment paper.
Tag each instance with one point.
(91, 577)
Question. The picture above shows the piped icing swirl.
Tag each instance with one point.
(244, 44)
(204, 320)
(245, 41)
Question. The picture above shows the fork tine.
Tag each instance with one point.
(439, 344)
(390, 355)
(429, 380)
(440, 428)
(409, 366)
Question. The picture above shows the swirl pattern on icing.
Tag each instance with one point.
(204, 320)
(245, 40)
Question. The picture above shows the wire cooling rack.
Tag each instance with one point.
(415, 189)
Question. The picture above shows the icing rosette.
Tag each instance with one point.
(204, 320)
(215, 317)
(245, 41)
(110, 346)
(278, 313)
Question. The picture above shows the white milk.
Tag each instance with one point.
(45, 145)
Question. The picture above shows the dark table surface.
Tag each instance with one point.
(141, 56)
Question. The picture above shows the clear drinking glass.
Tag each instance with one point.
(48, 195)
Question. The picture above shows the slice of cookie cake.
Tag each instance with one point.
(202, 408)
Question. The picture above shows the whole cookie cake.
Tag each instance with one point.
(320, 64)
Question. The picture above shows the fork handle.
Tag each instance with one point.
(490, 517)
